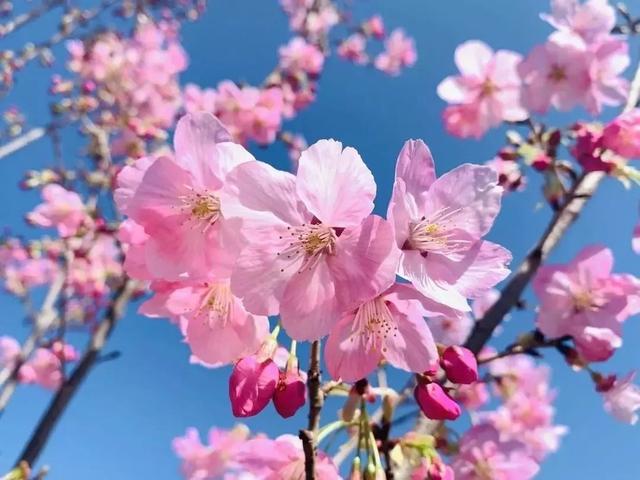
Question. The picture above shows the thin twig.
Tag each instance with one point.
(65, 393)
(316, 399)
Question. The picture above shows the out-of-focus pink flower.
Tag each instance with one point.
(433, 470)
(291, 392)
(565, 72)
(472, 396)
(62, 209)
(44, 368)
(374, 26)
(589, 150)
(510, 176)
(460, 365)
(250, 113)
(219, 457)
(585, 300)
(390, 327)
(198, 99)
(487, 89)
(353, 48)
(283, 458)
(451, 328)
(483, 303)
(300, 56)
(622, 400)
(435, 403)
(622, 135)
(439, 225)
(252, 384)
(9, 352)
(481, 450)
(635, 238)
(315, 251)
(399, 53)
(591, 19)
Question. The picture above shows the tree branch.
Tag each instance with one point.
(61, 400)
(316, 400)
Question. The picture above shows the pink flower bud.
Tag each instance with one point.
(435, 403)
(460, 365)
(251, 385)
(290, 395)
(440, 471)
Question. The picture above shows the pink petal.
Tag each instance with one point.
(416, 168)
(335, 184)
(473, 57)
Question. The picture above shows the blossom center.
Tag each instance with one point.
(375, 323)
(488, 88)
(436, 234)
(217, 305)
(557, 73)
(203, 209)
(309, 242)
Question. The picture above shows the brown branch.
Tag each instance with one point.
(510, 296)
(316, 400)
(66, 392)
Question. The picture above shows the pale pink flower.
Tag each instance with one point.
(390, 327)
(439, 225)
(374, 26)
(353, 48)
(197, 99)
(472, 396)
(300, 56)
(399, 53)
(483, 455)
(62, 209)
(217, 328)
(585, 300)
(484, 302)
(590, 19)
(622, 135)
(315, 252)
(9, 352)
(44, 368)
(609, 58)
(451, 328)
(283, 458)
(183, 204)
(487, 89)
(555, 74)
(432, 470)
(622, 400)
(219, 457)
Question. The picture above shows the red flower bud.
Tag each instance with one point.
(460, 365)
(251, 385)
(291, 393)
(435, 403)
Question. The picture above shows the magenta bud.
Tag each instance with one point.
(435, 403)
(290, 395)
(440, 471)
(252, 385)
(460, 365)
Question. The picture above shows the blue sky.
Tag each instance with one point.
(122, 422)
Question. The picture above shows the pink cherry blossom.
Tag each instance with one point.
(283, 458)
(585, 300)
(44, 368)
(62, 209)
(399, 53)
(197, 99)
(622, 400)
(389, 327)
(483, 455)
(472, 396)
(374, 26)
(300, 56)
(590, 20)
(483, 303)
(252, 384)
(439, 225)
(353, 48)
(622, 135)
(217, 328)
(9, 352)
(315, 252)
(488, 89)
(183, 204)
(219, 457)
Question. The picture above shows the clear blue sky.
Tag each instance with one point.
(122, 422)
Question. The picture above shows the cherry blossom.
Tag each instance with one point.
(622, 135)
(62, 209)
(439, 225)
(317, 243)
(487, 90)
(590, 19)
(300, 56)
(622, 400)
(399, 53)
